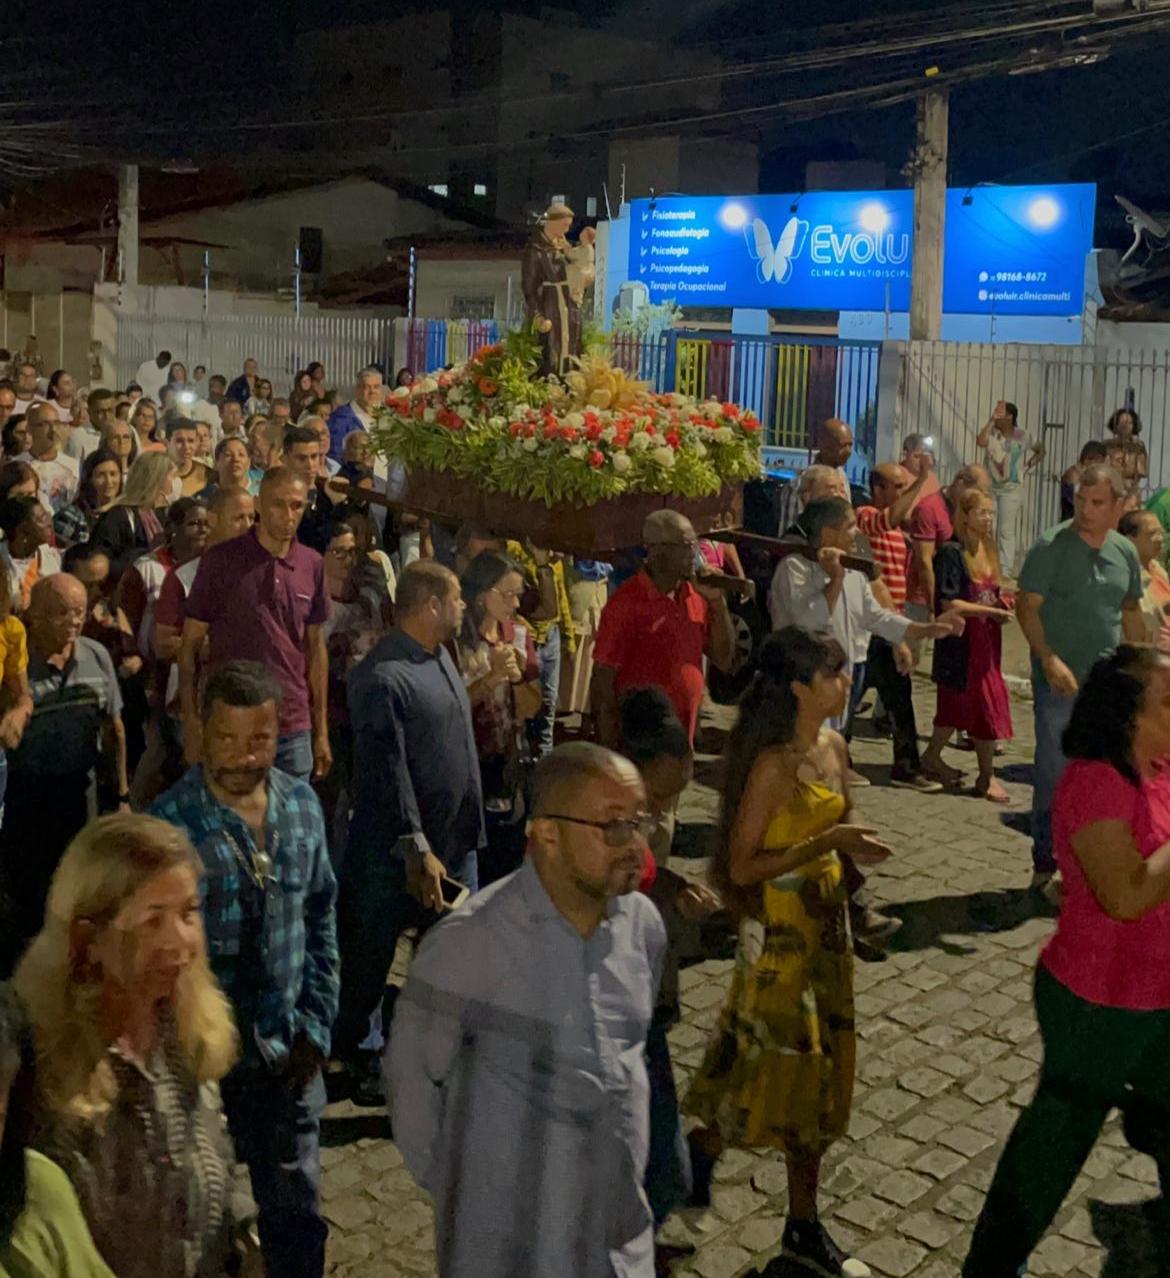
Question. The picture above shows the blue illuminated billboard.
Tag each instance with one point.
(1009, 250)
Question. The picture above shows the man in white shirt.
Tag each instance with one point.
(26, 388)
(152, 375)
(58, 475)
(826, 595)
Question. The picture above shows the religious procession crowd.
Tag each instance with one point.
(315, 725)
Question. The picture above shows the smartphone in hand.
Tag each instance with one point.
(454, 893)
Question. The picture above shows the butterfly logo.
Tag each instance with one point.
(774, 262)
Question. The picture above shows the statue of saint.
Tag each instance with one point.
(549, 293)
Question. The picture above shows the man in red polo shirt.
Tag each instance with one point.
(658, 627)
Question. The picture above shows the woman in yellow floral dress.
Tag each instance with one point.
(779, 1072)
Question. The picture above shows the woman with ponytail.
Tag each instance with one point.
(779, 1072)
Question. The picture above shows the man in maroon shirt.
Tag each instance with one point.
(262, 597)
(658, 627)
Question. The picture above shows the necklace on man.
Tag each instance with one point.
(258, 866)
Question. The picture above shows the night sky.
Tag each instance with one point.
(174, 81)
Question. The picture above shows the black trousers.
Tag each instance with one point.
(895, 691)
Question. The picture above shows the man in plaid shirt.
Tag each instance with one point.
(268, 906)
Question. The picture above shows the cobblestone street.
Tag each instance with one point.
(947, 1052)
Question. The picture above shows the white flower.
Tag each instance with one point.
(640, 442)
(496, 423)
(400, 392)
(429, 415)
(465, 411)
(521, 410)
(622, 462)
(711, 408)
(576, 420)
(725, 435)
(664, 456)
(700, 450)
(609, 434)
(426, 386)
(531, 444)
(579, 451)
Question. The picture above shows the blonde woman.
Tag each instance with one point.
(132, 526)
(132, 1033)
(972, 695)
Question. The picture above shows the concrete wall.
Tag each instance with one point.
(355, 216)
(259, 238)
(59, 320)
(439, 282)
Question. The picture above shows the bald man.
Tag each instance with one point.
(657, 628)
(516, 1071)
(75, 723)
(834, 440)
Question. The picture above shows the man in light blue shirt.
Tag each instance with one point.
(516, 1070)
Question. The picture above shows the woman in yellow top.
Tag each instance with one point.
(16, 705)
(545, 609)
(779, 1072)
(42, 1231)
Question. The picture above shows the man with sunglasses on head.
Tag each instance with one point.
(658, 627)
(516, 1071)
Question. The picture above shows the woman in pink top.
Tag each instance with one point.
(1103, 985)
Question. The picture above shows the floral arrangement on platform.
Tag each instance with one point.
(595, 435)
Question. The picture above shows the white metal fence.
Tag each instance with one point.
(1065, 395)
(280, 344)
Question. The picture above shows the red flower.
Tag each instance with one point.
(651, 429)
(487, 387)
(570, 434)
(596, 458)
(515, 429)
(731, 410)
(591, 420)
(593, 430)
(749, 423)
(551, 430)
(673, 438)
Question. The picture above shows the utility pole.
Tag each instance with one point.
(930, 214)
(128, 224)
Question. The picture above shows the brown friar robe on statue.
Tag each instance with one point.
(545, 280)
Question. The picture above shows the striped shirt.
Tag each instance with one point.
(890, 551)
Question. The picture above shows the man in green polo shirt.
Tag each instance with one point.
(1080, 590)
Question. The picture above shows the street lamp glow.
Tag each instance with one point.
(733, 216)
(1043, 212)
(873, 218)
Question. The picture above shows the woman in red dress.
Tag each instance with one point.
(972, 696)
